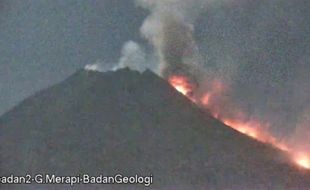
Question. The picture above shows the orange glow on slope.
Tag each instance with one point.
(252, 128)
(181, 84)
(256, 131)
(205, 100)
(303, 161)
(246, 128)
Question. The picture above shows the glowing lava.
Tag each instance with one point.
(181, 84)
(250, 128)
(303, 161)
(245, 128)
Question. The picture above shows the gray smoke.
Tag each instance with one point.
(169, 28)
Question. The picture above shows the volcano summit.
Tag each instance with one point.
(134, 124)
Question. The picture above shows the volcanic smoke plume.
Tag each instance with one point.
(169, 28)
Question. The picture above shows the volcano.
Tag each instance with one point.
(132, 123)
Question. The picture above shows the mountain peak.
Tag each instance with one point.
(129, 122)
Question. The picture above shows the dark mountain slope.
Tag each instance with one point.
(128, 122)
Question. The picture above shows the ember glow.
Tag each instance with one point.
(182, 84)
(303, 161)
(205, 100)
(251, 128)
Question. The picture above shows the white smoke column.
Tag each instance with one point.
(132, 56)
(92, 67)
(97, 66)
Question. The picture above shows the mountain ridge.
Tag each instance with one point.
(131, 122)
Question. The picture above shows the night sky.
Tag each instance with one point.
(263, 45)
(42, 42)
